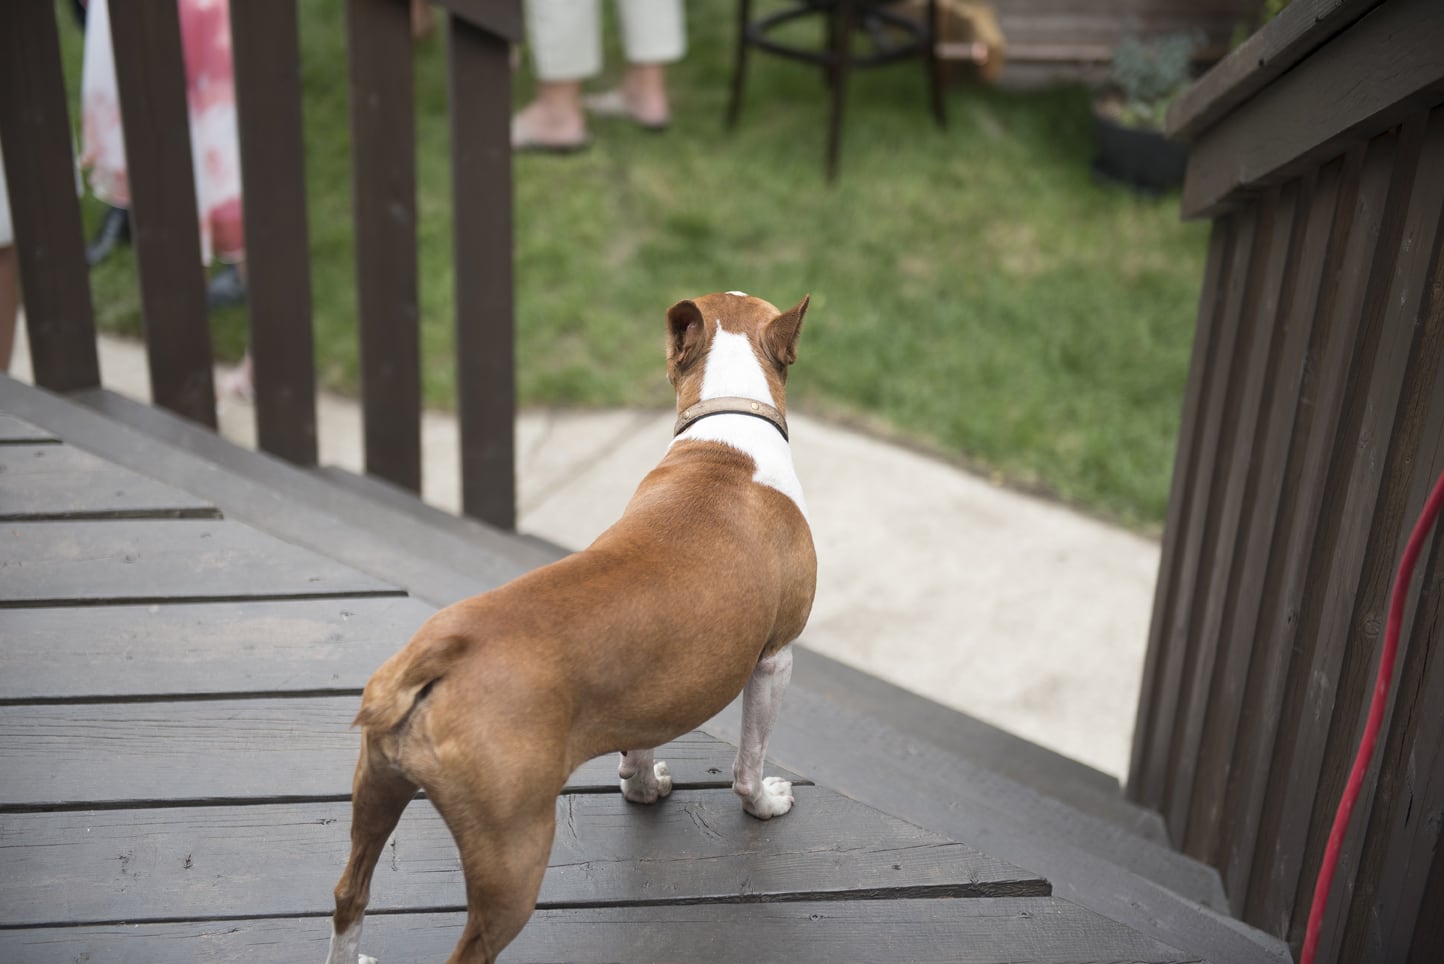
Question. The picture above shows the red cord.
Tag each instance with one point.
(1376, 717)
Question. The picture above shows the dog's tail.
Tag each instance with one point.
(393, 690)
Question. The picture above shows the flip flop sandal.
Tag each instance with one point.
(524, 142)
(612, 103)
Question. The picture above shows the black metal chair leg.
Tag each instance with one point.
(841, 63)
(935, 67)
(739, 64)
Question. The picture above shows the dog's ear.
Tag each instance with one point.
(779, 338)
(685, 330)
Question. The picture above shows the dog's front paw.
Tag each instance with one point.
(646, 786)
(366, 959)
(773, 799)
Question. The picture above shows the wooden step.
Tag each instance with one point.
(1089, 861)
(1080, 786)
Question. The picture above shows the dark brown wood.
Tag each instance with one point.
(53, 482)
(39, 171)
(383, 161)
(1248, 370)
(187, 862)
(479, 84)
(922, 931)
(1297, 30)
(253, 748)
(1320, 398)
(1191, 579)
(1154, 700)
(150, 72)
(1393, 861)
(17, 431)
(1298, 278)
(1408, 359)
(1268, 139)
(502, 19)
(1348, 511)
(294, 647)
(153, 561)
(267, 63)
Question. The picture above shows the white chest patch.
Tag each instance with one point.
(733, 369)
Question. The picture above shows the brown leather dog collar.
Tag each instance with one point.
(729, 405)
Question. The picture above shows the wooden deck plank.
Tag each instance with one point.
(48, 482)
(92, 867)
(50, 562)
(110, 754)
(17, 431)
(983, 931)
(191, 649)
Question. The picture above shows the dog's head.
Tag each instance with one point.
(731, 344)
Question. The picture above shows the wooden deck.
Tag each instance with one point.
(174, 707)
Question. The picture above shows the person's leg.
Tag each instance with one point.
(566, 48)
(654, 35)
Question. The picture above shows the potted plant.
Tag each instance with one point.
(1128, 114)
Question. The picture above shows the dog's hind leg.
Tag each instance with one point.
(644, 778)
(379, 792)
(761, 701)
(503, 855)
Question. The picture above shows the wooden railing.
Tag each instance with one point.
(150, 74)
(1313, 427)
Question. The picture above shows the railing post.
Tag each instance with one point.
(480, 97)
(383, 159)
(150, 74)
(267, 62)
(40, 170)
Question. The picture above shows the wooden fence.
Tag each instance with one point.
(1313, 427)
(150, 75)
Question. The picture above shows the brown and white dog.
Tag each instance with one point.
(694, 594)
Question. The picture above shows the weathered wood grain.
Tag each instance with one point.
(983, 931)
(178, 863)
(76, 755)
(49, 562)
(17, 431)
(1155, 701)
(190, 649)
(1269, 139)
(54, 482)
(1350, 503)
(1231, 471)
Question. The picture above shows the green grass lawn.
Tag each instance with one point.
(973, 290)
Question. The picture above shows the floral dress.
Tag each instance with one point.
(211, 100)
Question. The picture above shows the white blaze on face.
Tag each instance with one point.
(740, 294)
(733, 369)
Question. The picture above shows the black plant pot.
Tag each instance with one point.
(1142, 159)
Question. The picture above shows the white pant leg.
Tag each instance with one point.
(653, 31)
(565, 37)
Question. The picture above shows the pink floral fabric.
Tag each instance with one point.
(211, 99)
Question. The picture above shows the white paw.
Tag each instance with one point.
(774, 799)
(644, 787)
(366, 959)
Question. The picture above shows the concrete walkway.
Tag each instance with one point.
(1007, 607)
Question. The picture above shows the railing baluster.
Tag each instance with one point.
(50, 244)
(267, 59)
(479, 75)
(384, 188)
(150, 72)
